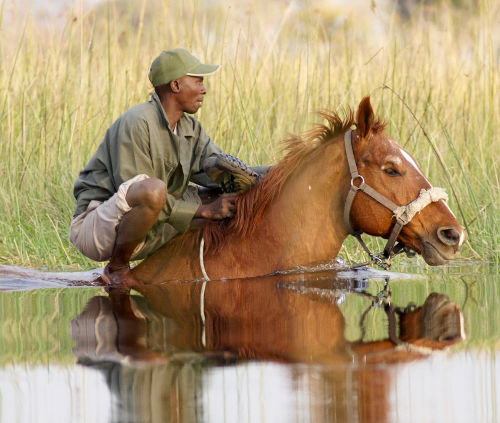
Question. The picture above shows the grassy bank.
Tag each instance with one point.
(64, 80)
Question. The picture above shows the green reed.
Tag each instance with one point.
(433, 78)
(35, 326)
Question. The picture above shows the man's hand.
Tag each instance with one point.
(224, 206)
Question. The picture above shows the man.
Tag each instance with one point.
(133, 196)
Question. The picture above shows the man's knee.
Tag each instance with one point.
(151, 192)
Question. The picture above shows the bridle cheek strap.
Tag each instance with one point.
(402, 214)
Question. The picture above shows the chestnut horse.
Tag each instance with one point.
(294, 216)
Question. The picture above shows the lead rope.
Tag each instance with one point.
(202, 294)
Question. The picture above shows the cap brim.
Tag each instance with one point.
(203, 70)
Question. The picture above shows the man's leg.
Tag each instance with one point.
(147, 198)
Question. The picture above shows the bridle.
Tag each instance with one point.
(403, 214)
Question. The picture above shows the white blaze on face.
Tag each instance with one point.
(462, 238)
(410, 160)
(414, 164)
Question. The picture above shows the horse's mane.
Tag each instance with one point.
(252, 205)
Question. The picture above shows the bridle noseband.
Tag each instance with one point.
(403, 214)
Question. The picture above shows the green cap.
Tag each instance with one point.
(174, 64)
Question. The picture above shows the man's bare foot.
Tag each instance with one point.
(120, 278)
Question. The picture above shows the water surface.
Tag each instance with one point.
(290, 348)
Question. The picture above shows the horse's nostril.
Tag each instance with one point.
(449, 235)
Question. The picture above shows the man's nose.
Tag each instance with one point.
(203, 89)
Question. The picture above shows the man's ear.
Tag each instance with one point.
(175, 86)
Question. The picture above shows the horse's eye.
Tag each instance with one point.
(391, 171)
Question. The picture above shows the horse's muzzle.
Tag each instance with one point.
(449, 235)
(445, 246)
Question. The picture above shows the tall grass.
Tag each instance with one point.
(64, 81)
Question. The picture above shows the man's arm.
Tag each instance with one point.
(216, 169)
(134, 157)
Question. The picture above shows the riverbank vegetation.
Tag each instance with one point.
(64, 79)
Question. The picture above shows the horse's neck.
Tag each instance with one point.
(302, 226)
(309, 212)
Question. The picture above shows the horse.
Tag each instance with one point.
(344, 176)
(272, 319)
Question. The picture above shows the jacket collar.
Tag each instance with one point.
(184, 126)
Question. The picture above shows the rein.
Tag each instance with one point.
(403, 214)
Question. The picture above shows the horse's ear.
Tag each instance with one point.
(365, 117)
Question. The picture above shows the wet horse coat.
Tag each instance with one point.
(294, 216)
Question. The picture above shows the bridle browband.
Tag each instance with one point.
(403, 214)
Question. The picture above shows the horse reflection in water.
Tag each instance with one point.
(177, 326)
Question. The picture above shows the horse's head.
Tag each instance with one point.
(433, 231)
(438, 319)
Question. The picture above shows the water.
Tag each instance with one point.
(289, 348)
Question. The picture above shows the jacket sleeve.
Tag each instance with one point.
(181, 213)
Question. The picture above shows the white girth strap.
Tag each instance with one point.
(202, 293)
(202, 263)
(405, 214)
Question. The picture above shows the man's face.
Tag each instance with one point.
(191, 93)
